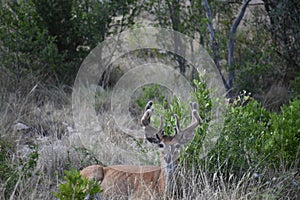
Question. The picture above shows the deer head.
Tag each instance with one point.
(170, 145)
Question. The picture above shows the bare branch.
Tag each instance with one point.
(214, 43)
(231, 42)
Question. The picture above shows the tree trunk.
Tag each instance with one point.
(232, 32)
(214, 43)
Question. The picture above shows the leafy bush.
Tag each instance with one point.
(255, 138)
(76, 187)
(159, 94)
(240, 144)
(283, 141)
(154, 92)
(175, 107)
(51, 38)
(25, 46)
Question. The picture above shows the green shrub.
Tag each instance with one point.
(75, 187)
(154, 92)
(175, 107)
(240, 144)
(255, 138)
(26, 47)
(51, 38)
(283, 142)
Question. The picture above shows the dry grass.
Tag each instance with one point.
(276, 96)
(47, 114)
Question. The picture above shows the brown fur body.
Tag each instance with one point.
(127, 181)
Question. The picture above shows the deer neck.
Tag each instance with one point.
(168, 168)
(166, 174)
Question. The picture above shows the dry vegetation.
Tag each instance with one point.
(38, 141)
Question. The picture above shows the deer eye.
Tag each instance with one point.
(161, 145)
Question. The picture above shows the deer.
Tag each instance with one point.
(149, 181)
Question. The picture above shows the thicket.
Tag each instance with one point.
(50, 39)
(253, 138)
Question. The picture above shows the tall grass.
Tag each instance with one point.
(32, 159)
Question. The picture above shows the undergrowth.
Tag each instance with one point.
(256, 156)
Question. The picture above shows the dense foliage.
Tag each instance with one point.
(253, 138)
(77, 188)
(51, 38)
